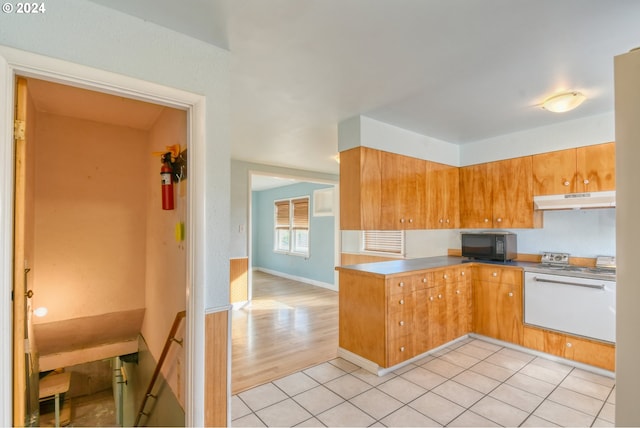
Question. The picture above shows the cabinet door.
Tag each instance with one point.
(459, 306)
(360, 189)
(554, 173)
(362, 319)
(437, 315)
(403, 192)
(596, 167)
(594, 353)
(497, 303)
(422, 329)
(475, 197)
(350, 189)
(443, 196)
(512, 192)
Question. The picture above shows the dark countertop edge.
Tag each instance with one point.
(402, 266)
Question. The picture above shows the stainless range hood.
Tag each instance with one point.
(575, 201)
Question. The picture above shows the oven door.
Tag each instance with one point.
(579, 306)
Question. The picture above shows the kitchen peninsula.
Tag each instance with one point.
(395, 312)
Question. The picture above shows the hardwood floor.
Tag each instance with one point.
(287, 327)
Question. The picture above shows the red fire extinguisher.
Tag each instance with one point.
(166, 172)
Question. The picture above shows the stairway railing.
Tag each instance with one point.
(170, 339)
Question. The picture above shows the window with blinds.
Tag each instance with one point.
(383, 241)
(292, 226)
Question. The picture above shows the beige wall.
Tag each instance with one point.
(90, 207)
(627, 105)
(165, 256)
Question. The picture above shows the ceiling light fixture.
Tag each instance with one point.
(563, 102)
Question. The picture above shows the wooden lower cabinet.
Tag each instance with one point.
(497, 302)
(389, 319)
(574, 348)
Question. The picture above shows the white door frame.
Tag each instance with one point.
(12, 62)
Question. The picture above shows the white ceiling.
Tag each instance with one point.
(456, 70)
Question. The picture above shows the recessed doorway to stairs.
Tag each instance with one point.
(105, 262)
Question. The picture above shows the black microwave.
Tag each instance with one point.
(500, 246)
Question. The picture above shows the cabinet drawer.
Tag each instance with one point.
(443, 276)
(401, 303)
(400, 324)
(399, 350)
(422, 280)
(571, 347)
(498, 274)
(400, 284)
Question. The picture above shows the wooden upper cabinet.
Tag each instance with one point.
(360, 188)
(596, 167)
(554, 173)
(381, 190)
(403, 192)
(512, 193)
(583, 169)
(498, 195)
(476, 203)
(443, 210)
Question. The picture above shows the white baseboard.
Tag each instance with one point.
(298, 278)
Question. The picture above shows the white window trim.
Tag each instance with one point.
(291, 229)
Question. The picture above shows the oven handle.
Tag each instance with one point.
(553, 281)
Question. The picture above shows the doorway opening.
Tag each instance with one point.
(107, 265)
(288, 320)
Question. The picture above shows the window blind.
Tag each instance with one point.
(282, 214)
(300, 213)
(384, 241)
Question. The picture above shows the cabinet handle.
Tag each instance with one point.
(457, 291)
(566, 183)
(441, 221)
(410, 220)
(445, 276)
(401, 220)
(486, 220)
(424, 280)
(499, 220)
(439, 296)
(510, 294)
(494, 274)
(569, 345)
(401, 284)
(401, 301)
(447, 221)
(401, 323)
(431, 298)
(462, 273)
(402, 349)
(586, 181)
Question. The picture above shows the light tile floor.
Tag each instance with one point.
(470, 383)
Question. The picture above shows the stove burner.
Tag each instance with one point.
(559, 262)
